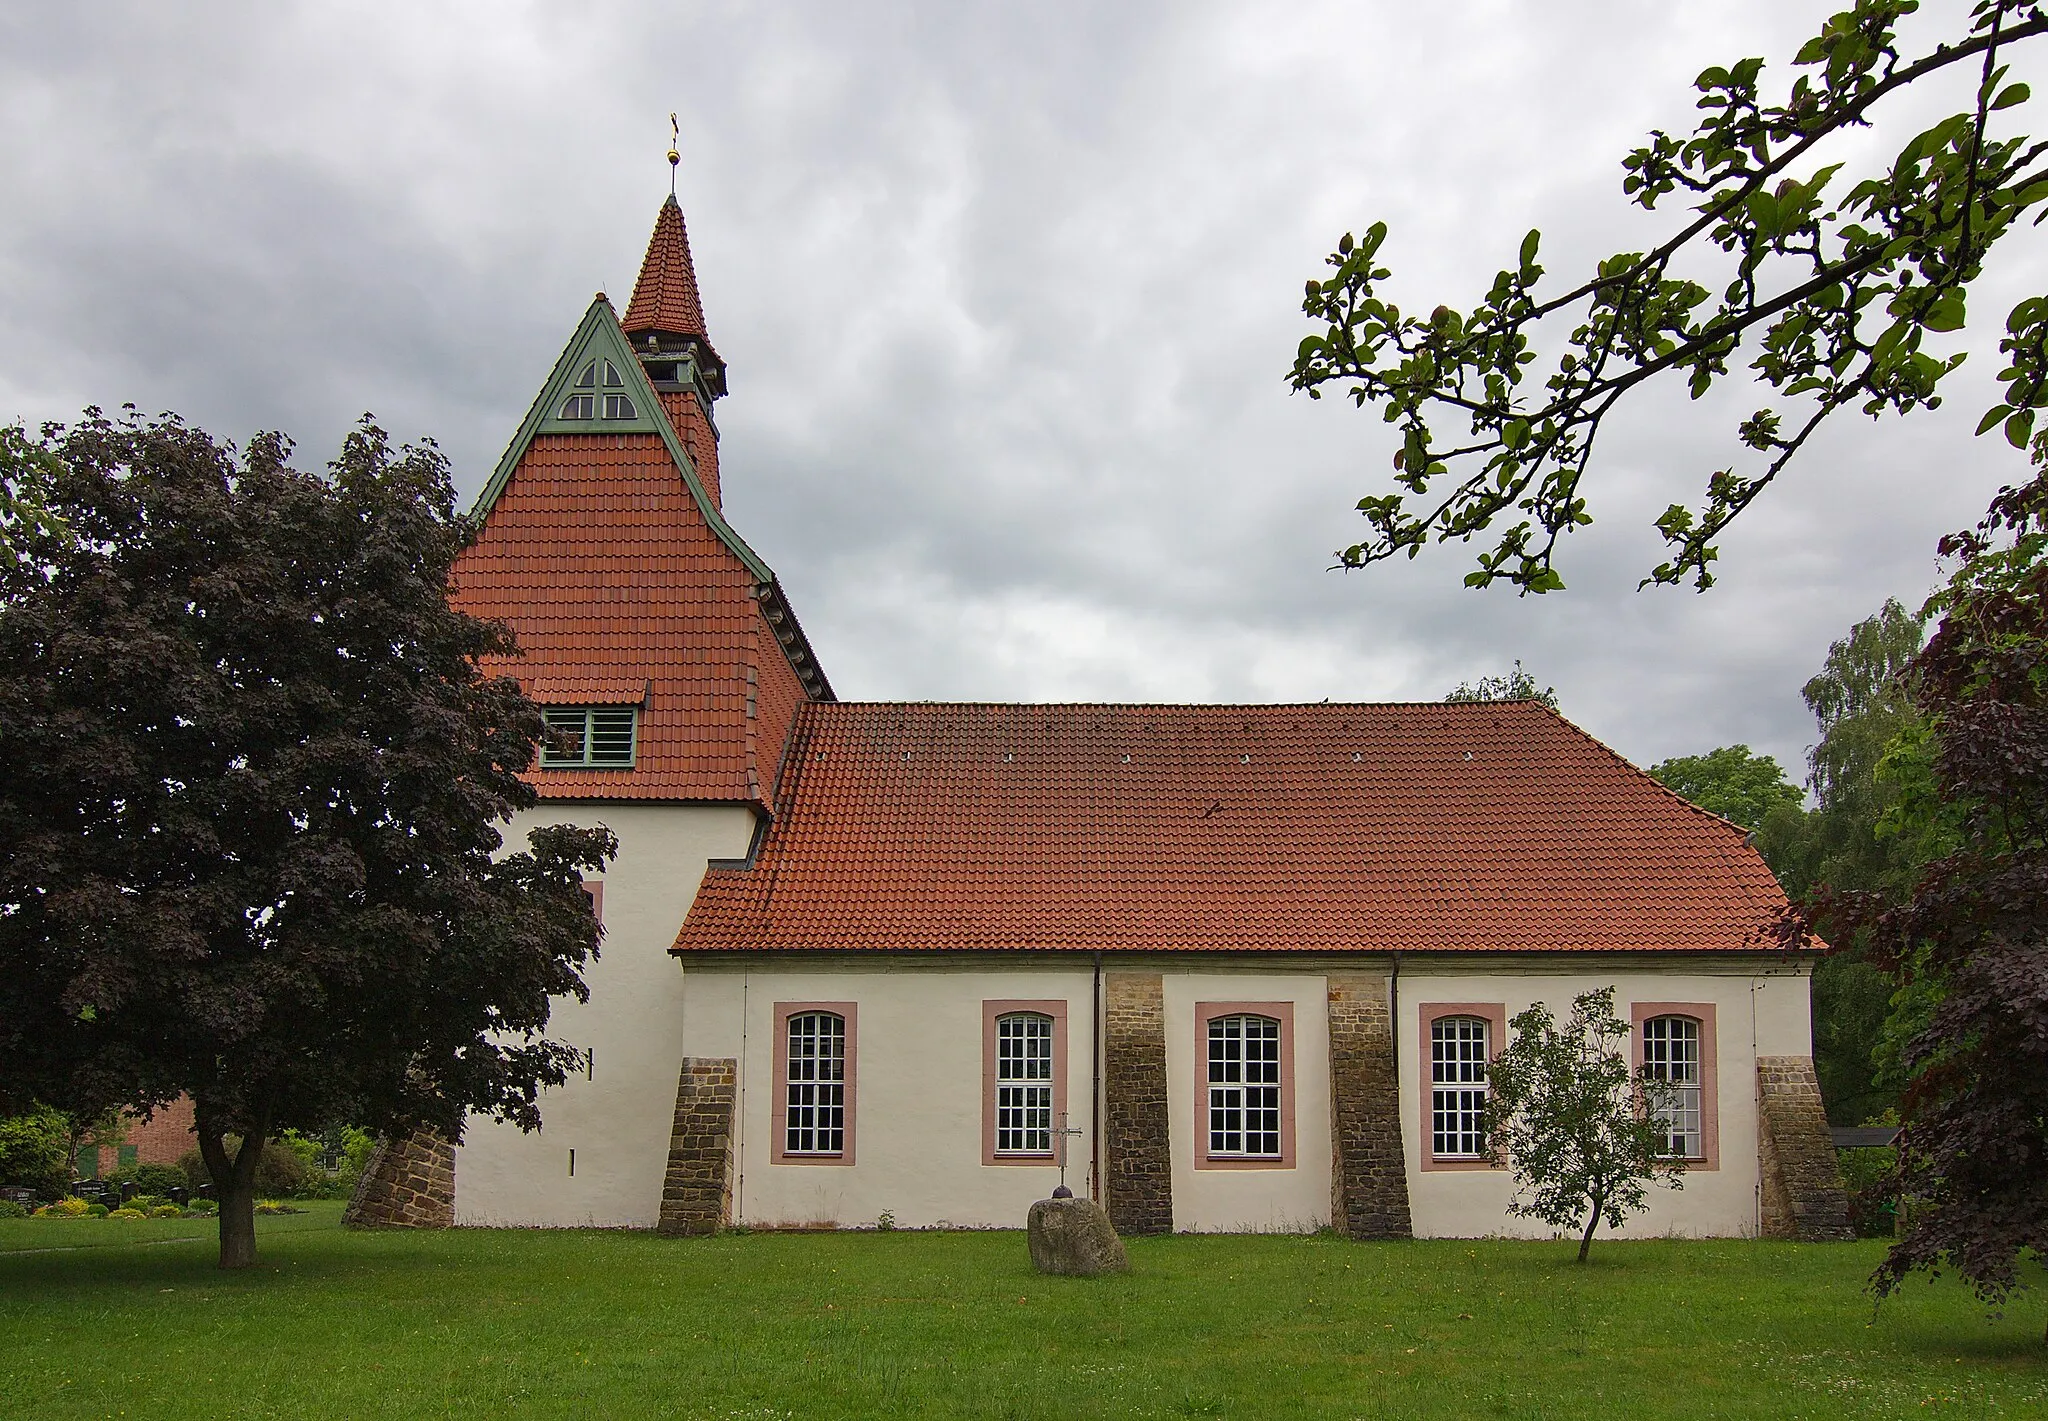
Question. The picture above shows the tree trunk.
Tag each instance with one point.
(234, 1180)
(1586, 1239)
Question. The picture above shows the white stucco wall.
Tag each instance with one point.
(918, 1088)
(1761, 1008)
(617, 1121)
(919, 1084)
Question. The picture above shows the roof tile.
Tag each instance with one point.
(1253, 828)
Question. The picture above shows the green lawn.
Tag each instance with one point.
(489, 1323)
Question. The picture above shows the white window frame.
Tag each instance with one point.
(1460, 1058)
(1245, 1078)
(1672, 1052)
(1024, 1083)
(814, 1048)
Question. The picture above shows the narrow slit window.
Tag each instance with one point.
(1671, 1052)
(1458, 1058)
(816, 1105)
(1244, 1087)
(1024, 1084)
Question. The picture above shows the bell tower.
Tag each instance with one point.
(664, 323)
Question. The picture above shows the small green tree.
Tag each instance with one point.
(32, 1151)
(1584, 1134)
(1517, 685)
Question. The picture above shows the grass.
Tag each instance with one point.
(488, 1323)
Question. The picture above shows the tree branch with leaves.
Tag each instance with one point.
(1836, 287)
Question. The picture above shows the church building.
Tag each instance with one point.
(1222, 967)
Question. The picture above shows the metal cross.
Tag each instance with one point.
(1063, 1134)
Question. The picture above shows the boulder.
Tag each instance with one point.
(1074, 1237)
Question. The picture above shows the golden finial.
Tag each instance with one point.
(675, 134)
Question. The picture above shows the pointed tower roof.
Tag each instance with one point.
(665, 298)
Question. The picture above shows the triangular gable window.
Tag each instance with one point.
(593, 392)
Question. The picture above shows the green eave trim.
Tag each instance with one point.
(599, 335)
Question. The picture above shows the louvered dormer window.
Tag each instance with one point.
(599, 386)
(591, 737)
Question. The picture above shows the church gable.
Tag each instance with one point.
(601, 545)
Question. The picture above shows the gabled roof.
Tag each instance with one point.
(598, 544)
(1491, 826)
(665, 297)
(599, 336)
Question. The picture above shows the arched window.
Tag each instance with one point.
(815, 1103)
(1024, 1066)
(1244, 1087)
(599, 380)
(1459, 1050)
(1671, 1052)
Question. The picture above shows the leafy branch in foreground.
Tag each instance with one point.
(1841, 293)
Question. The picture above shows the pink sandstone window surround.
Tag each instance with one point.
(595, 888)
(1023, 1081)
(1244, 1085)
(1443, 1076)
(1667, 1056)
(816, 1055)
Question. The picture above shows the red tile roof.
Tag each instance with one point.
(608, 572)
(665, 297)
(1295, 828)
(587, 690)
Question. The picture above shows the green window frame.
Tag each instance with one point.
(590, 737)
(599, 387)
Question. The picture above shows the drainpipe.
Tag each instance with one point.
(739, 1105)
(1095, 1085)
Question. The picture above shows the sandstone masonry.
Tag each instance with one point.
(1803, 1197)
(1137, 1157)
(1368, 1176)
(407, 1184)
(696, 1193)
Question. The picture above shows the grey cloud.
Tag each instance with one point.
(1008, 294)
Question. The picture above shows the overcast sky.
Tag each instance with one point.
(1008, 293)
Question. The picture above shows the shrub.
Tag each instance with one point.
(280, 1172)
(69, 1207)
(204, 1206)
(97, 1211)
(167, 1211)
(126, 1214)
(11, 1210)
(145, 1202)
(33, 1152)
(272, 1206)
(158, 1179)
(1871, 1178)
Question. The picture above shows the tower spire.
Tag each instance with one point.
(664, 325)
